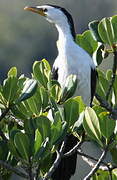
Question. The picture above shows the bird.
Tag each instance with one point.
(71, 59)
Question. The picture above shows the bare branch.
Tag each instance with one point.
(74, 149)
(99, 162)
(56, 162)
(13, 169)
(106, 105)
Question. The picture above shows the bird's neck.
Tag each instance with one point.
(65, 37)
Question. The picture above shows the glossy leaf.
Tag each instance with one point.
(10, 88)
(29, 89)
(22, 144)
(91, 125)
(44, 97)
(98, 55)
(105, 30)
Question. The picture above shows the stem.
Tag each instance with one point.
(113, 75)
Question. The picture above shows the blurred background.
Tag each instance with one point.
(26, 37)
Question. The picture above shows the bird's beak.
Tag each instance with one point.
(35, 10)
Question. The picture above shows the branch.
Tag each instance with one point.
(74, 149)
(99, 162)
(56, 162)
(106, 105)
(113, 75)
(13, 169)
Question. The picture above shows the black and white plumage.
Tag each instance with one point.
(71, 59)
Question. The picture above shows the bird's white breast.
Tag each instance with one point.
(74, 60)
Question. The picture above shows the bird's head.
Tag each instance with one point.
(54, 14)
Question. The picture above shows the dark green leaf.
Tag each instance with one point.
(38, 141)
(114, 25)
(44, 126)
(22, 144)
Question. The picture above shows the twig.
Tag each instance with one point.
(113, 75)
(106, 105)
(56, 162)
(97, 165)
(13, 169)
(74, 149)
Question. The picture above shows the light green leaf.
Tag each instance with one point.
(12, 72)
(10, 88)
(107, 125)
(91, 125)
(71, 111)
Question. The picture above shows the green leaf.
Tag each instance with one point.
(114, 25)
(71, 111)
(22, 144)
(44, 126)
(29, 89)
(105, 30)
(91, 125)
(40, 72)
(12, 148)
(44, 98)
(70, 87)
(38, 141)
(107, 125)
(87, 42)
(42, 150)
(56, 128)
(98, 55)
(10, 88)
(12, 72)
(93, 26)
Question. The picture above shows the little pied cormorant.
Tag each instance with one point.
(71, 59)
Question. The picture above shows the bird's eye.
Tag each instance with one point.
(45, 10)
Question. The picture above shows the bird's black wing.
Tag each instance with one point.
(55, 73)
(94, 76)
(67, 166)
